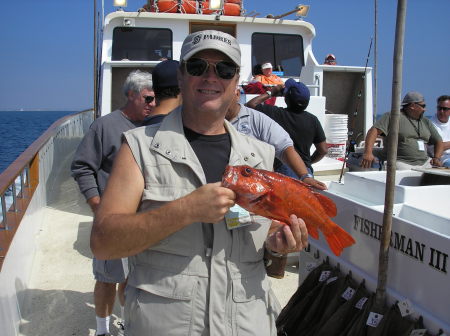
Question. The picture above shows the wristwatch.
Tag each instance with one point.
(305, 176)
(269, 93)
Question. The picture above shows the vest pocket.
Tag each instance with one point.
(251, 295)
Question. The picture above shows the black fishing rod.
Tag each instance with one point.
(358, 102)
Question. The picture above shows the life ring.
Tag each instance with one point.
(167, 6)
(189, 7)
(231, 9)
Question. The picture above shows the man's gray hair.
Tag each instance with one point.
(137, 81)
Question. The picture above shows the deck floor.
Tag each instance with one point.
(59, 300)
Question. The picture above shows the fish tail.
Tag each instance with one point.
(338, 239)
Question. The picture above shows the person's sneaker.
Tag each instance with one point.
(121, 328)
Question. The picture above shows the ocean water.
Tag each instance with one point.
(20, 129)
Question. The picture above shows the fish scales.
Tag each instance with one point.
(277, 196)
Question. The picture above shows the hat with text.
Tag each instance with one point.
(297, 91)
(266, 66)
(412, 97)
(165, 74)
(211, 39)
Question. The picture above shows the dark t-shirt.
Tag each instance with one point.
(213, 152)
(303, 127)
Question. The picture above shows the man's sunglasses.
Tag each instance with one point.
(443, 108)
(421, 105)
(149, 99)
(223, 69)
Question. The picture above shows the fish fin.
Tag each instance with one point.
(313, 232)
(327, 204)
(338, 239)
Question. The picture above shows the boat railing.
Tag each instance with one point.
(19, 181)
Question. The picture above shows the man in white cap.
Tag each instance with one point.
(267, 77)
(414, 133)
(192, 272)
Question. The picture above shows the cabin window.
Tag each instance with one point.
(141, 44)
(284, 51)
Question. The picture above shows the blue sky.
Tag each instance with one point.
(47, 47)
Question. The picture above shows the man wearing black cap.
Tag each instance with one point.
(414, 133)
(192, 272)
(303, 127)
(167, 91)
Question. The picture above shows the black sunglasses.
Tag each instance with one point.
(421, 105)
(443, 108)
(223, 69)
(149, 99)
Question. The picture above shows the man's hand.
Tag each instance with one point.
(94, 202)
(367, 160)
(209, 203)
(277, 90)
(315, 183)
(435, 162)
(288, 238)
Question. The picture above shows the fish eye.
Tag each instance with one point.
(247, 171)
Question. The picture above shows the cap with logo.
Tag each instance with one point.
(266, 66)
(211, 39)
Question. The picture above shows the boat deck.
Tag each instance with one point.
(59, 300)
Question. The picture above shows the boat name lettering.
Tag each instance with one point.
(408, 246)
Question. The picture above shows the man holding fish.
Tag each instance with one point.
(196, 268)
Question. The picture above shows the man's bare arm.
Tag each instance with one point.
(118, 231)
(371, 137)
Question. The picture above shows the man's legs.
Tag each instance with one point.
(108, 274)
(104, 297)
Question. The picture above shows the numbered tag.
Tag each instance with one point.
(237, 217)
(324, 276)
(421, 145)
(420, 332)
(405, 307)
(374, 319)
(348, 294)
(310, 266)
(360, 304)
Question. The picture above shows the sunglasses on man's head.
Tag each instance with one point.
(149, 99)
(223, 69)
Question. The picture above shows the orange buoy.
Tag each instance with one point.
(167, 6)
(231, 9)
(189, 7)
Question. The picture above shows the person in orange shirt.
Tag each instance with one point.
(267, 77)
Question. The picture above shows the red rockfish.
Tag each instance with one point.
(277, 196)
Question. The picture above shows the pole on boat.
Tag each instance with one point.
(383, 260)
(375, 61)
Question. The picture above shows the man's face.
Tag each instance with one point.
(415, 110)
(267, 71)
(208, 92)
(443, 111)
(141, 103)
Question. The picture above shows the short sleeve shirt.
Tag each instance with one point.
(410, 133)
